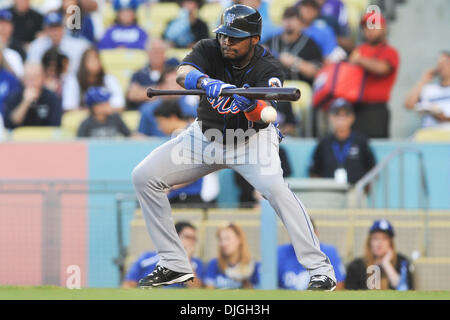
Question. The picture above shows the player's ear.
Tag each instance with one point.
(255, 40)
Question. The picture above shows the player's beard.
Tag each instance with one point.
(239, 60)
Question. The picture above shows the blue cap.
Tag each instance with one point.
(5, 15)
(53, 19)
(382, 225)
(126, 4)
(172, 62)
(341, 104)
(96, 95)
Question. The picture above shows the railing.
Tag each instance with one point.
(367, 185)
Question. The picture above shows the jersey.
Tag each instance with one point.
(221, 113)
(148, 261)
(216, 278)
(292, 275)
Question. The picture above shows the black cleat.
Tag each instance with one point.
(319, 282)
(162, 276)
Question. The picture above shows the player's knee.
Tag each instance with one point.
(274, 190)
(141, 178)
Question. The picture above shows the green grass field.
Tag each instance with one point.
(58, 293)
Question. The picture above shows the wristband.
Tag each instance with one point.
(190, 82)
(254, 114)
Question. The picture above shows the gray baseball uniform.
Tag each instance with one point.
(192, 155)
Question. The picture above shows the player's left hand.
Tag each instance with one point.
(213, 87)
(243, 103)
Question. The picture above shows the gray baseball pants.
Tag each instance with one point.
(190, 156)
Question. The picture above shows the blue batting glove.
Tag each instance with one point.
(214, 87)
(243, 103)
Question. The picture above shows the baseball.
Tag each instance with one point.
(269, 114)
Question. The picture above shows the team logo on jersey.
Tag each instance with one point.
(229, 19)
(275, 82)
(221, 105)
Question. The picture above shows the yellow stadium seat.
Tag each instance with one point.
(32, 133)
(157, 17)
(210, 13)
(108, 14)
(306, 94)
(122, 63)
(71, 120)
(178, 53)
(276, 9)
(432, 134)
(355, 9)
(131, 119)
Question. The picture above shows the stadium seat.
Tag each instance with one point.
(122, 63)
(210, 13)
(139, 239)
(302, 107)
(108, 14)
(433, 134)
(159, 14)
(178, 53)
(233, 214)
(71, 120)
(432, 274)
(131, 119)
(355, 9)
(277, 8)
(39, 134)
(439, 236)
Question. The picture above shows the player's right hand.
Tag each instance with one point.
(214, 87)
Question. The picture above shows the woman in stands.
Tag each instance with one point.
(91, 74)
(234, 267)
(381, 267)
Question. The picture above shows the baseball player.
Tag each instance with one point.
(227, 133)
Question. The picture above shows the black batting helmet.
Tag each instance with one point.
(239, 21)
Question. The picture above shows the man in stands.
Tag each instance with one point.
(34, 105)
(380, 61)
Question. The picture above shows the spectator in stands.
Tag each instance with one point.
(6, 32)
(188, 104)
(345, 154)
(2, 128)
(381, 62)
(8, 83)
(394, 269)
(91, 73)
(85, 29)
(299, 55)
(286, 118)
(171, 122)
(334, 13)
(248, 196)
(55, 67)
(54, 36)
(102, 121)
(320, 31)
(27, 22)
(187, 28)
(149, 75)
(125, 33)
(147, 262)
(269, 30)
(292, 275)
(234, 267)
(12, 59)
(433, 99)
(34, 105)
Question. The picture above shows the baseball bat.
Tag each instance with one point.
(261, 93)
